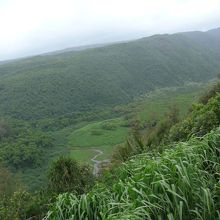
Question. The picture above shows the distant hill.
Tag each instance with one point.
(68, 81)
(79, 48)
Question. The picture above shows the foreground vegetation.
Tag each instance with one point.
(180, 183)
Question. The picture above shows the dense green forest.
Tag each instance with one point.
(170, 171)
(69, 82)
(144, 113)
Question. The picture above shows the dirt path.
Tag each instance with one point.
(97, 163)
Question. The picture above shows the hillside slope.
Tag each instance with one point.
(47, 86)
(180, 183)
(179, 180)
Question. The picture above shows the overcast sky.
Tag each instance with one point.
(29, 27)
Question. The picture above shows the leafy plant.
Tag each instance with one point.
(66, 175)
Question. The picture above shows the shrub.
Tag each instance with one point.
(109, 126)
(201, 120)
(66, 175)
(4, 129)
(158, 135)
(210, 94)
(96, 132)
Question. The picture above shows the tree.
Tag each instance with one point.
(66, 175)
(7, 183)
(210, 94)
(4, 129)
(157, 136)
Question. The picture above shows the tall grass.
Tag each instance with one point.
(182, 183)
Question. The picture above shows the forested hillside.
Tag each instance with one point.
(168, 171)
(53, 85)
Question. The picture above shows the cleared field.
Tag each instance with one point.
(84, 155)
(104, 133)
(156, 105)
(102, 136)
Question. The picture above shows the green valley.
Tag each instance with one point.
(113, 131)
(108, 133)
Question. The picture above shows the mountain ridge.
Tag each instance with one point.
(97, 45)
(57, 84)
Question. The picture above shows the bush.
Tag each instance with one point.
(9, 183)
(20, 155)
(109, 126)
(96, 132)
(66, 175)
(25, 150)
(4, 129)
(201, 120)
(132, 147)
(210, 94)
(158, 135)
(24, 205)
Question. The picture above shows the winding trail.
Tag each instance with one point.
(97, 163)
